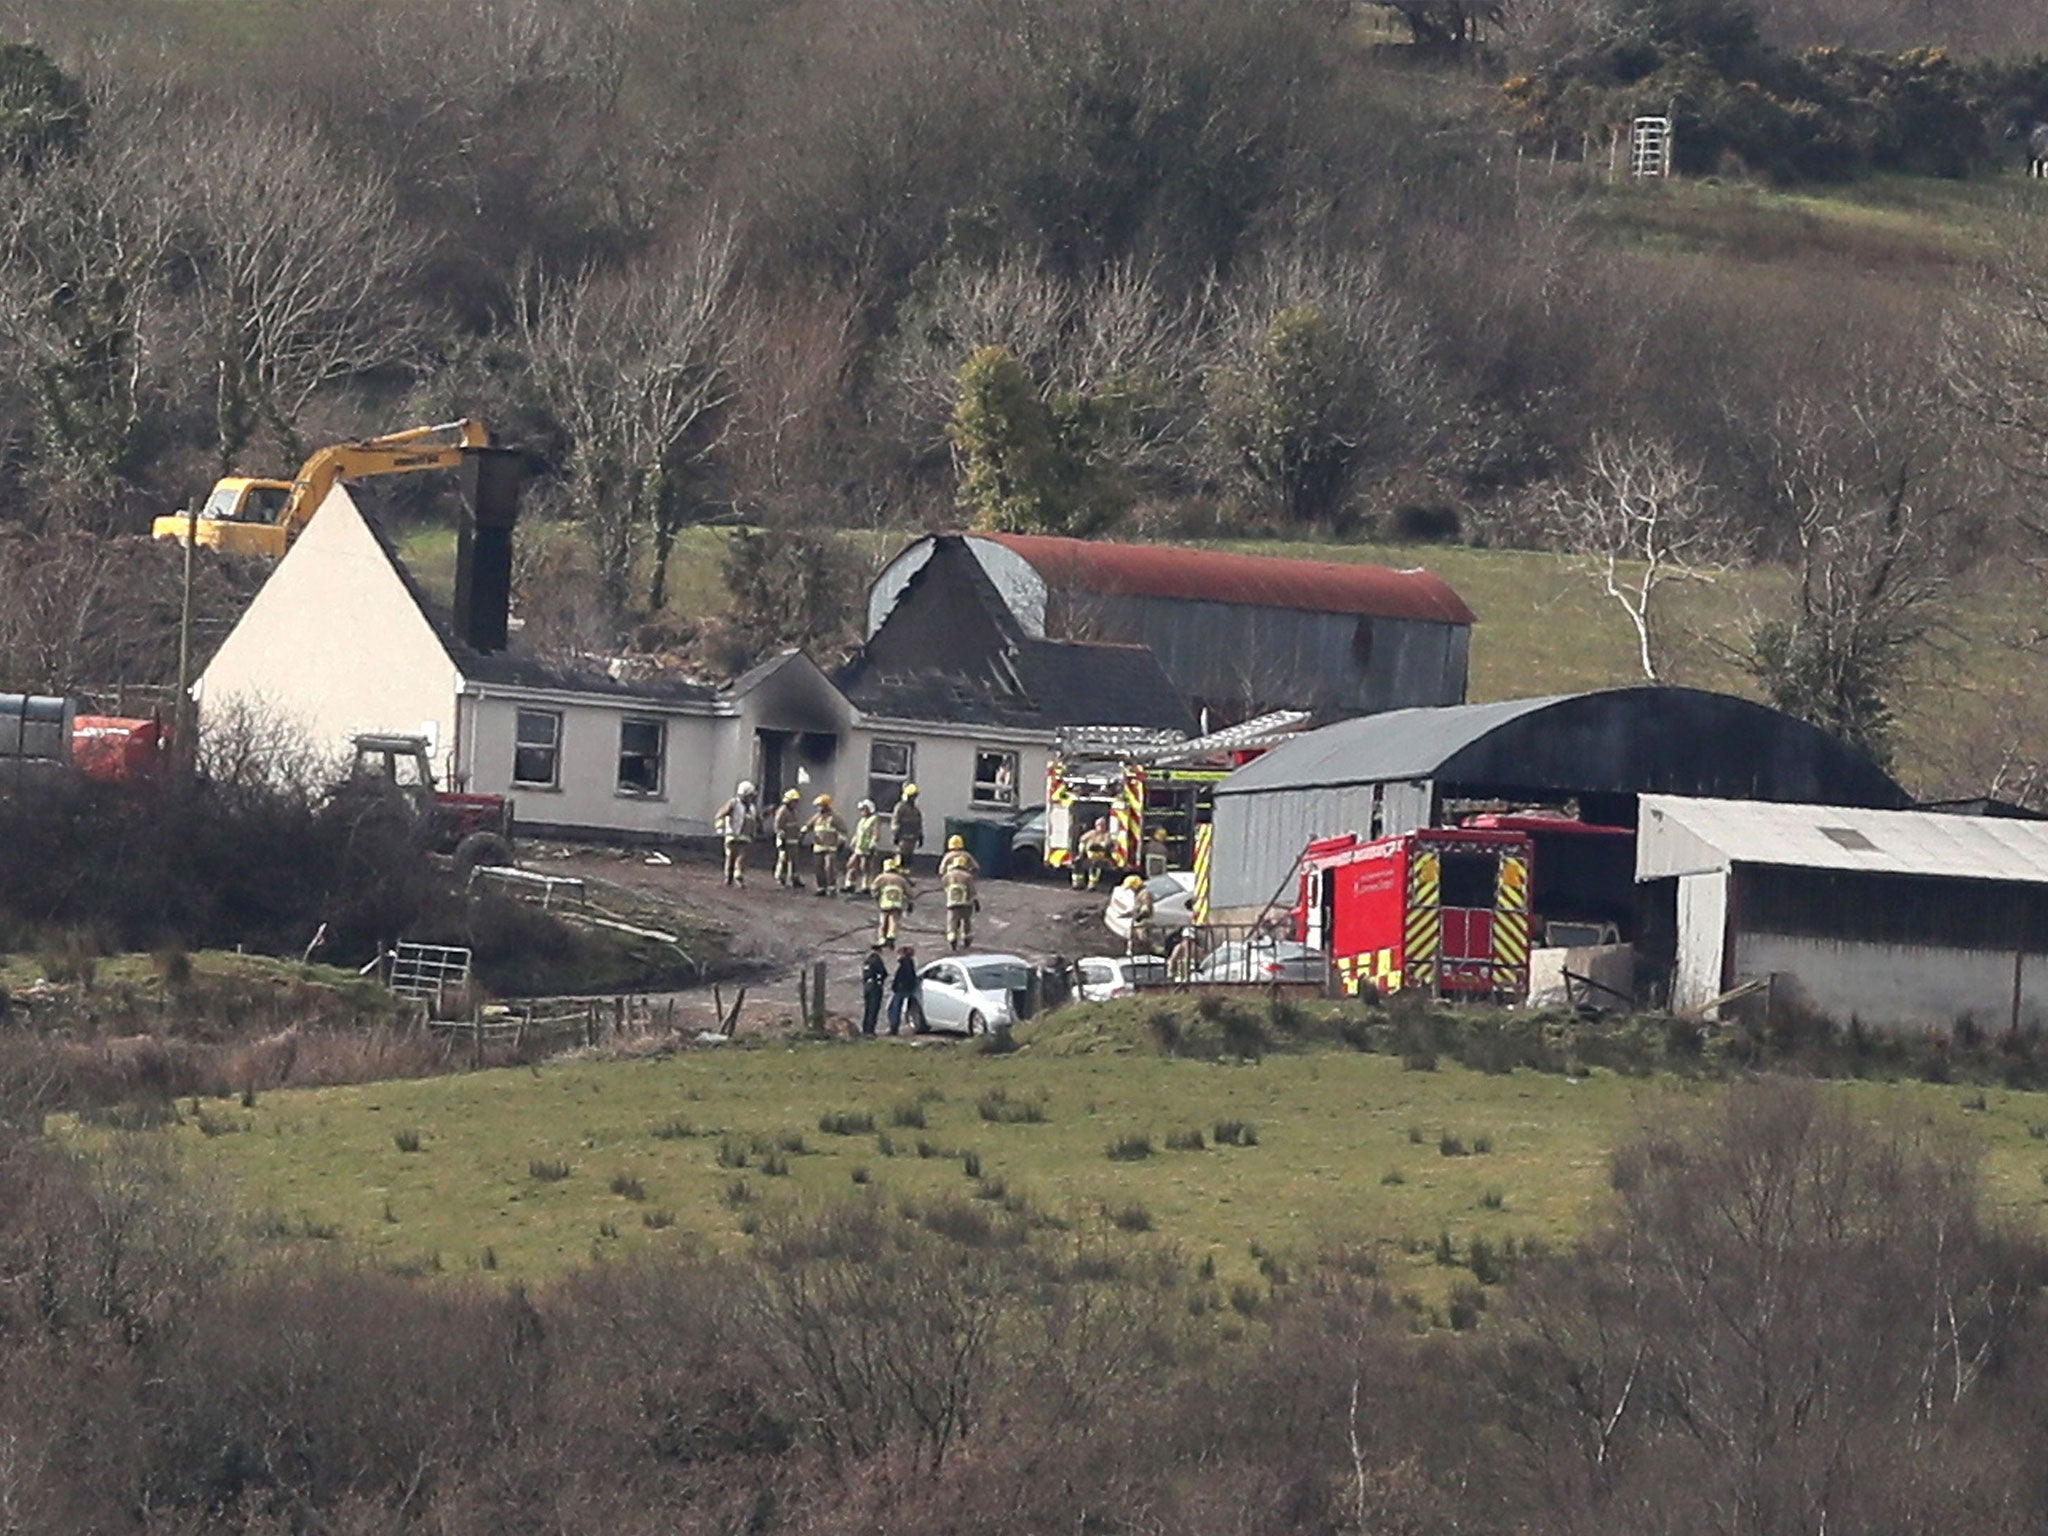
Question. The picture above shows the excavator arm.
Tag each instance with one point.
(226, 523)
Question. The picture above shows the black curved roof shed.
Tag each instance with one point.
(1602, 749)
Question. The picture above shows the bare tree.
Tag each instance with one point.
(1641, 516)
(1882, 516)
(297, 266)
(82, 242)
(640, 367)
(1316, 376)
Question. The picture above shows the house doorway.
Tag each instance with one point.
(773, 771)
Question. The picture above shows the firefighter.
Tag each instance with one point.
(739, 823)
(1157, 854)
(906, 826)
(956, 856)
(788, 828)
(828, 835)
(1132, 904)
(1091, 861)
(894, 901)
(865, 863)
(956, 880)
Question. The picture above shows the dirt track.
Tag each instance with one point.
(776, 933)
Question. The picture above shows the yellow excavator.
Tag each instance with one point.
(261, 517)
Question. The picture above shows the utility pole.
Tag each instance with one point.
(183, 747)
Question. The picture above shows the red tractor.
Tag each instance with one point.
(476, 829)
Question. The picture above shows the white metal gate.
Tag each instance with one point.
(1649, 147)
(429, 973)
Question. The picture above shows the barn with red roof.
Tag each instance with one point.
(1236, 634)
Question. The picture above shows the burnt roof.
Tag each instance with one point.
(1618, 741)
(1039, 685)
(1214, 575)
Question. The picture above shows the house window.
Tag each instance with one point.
(891, 765)
(537, 749)
(640, 750)
(995, 778)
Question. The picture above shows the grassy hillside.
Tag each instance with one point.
(530, 1172)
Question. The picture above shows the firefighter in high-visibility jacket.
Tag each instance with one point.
(958, 872)
(894, 899)
(788, 828)
(828, 836)
(866, 861)
(1092, 858)
(1157, 854)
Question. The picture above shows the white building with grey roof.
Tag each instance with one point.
(1890, 919)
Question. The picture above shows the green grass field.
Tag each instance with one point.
(1349, 1152)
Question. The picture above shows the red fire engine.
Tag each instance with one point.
(1445, 910)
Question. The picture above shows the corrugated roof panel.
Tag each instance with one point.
(1162, 570)
(1375, 749)
(1926, 843)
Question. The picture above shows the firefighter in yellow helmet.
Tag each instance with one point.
(894, 900)
(1130, 908)
(788, 828)
(828, 836)
(906, 826)
(958, 873)
(1158, 855)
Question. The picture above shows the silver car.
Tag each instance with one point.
(1259, 961)
(973, 994)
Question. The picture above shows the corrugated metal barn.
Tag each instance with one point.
(1396, 772)
(1239, 635)
(1894, 919)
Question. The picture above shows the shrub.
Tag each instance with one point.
(1424, 523)
(909, 1117)
(408, 1140)
(1234, 1133)
(1451, 1146)
(793, 1143)
(731, 1153)
(1482, 1146)
(1393, 1176)
(628, 1186)
(738, 1193)
(1246, 1300)
(846, 1123)
(859, 1175)
(971, 1163)
(885, 1145)
(930, 1149)
(775, 1164)
(1189, 1140)
(1493, 1200)
(991, 1189)
(998, 1108)
(1129, 1149)
(675, 1129)
(1467, 1306)
(1131, 1218)
(1000, 1041)
(1487, 1264)
(1446, 1250)
(549, 1170)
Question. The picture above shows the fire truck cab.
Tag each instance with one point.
(1443, 910)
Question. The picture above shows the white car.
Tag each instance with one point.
(973, 994)
(1264, 960)
(1102, 977)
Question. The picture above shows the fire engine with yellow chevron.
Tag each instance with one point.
(1444, 910)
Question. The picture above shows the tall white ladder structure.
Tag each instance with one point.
(1649, 147)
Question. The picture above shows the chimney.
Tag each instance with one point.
(483, 545)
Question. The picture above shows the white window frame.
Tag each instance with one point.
(552, 747)
(634, 791)
(999, 792)
(888, 801)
